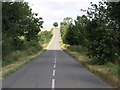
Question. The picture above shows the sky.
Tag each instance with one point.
(56, 10)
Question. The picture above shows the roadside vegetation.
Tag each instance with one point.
(108, 72)
(22, 38)
(55, 24)
(94, 40)
(18, 58)
(45, 36)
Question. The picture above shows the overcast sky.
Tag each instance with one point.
(55, 10)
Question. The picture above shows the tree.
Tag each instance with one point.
(98, 32)
(68, 20)
(55, 24)
(18, 21)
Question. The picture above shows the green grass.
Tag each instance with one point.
(15, 56)
(14, 66)
(17, 59)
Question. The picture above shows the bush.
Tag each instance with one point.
(45, 36)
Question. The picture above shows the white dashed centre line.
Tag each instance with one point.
(53, 83)
(53, 72)
(54, 66)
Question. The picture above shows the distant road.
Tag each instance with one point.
(53, 69)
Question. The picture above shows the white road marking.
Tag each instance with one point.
(55, 56)
(53, 83)
(54, 66)
(55, 62)
(53, 72)
(53, 80)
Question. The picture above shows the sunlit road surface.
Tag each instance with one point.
(53, 69)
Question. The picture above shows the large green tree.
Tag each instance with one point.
(18, 21)
(98, 31)
(55, 24)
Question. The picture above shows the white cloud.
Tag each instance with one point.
(55, 10)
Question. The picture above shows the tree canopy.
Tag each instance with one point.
(98, 31)
(19, 24)
(55, 24)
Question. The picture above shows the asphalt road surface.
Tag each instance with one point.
(53, 69)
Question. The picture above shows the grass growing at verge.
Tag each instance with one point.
(108, 72)
(18, 58)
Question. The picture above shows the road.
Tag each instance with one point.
(53, 69)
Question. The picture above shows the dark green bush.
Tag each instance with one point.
(45, 36)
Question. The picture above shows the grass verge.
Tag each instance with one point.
(107, 72)
(21, 61)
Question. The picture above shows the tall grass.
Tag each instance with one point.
(16, 55)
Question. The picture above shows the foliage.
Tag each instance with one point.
(64, 27)
(18, 21)
(98, 31)
(45, 36)
(68, 20)
(55, 24)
